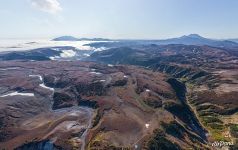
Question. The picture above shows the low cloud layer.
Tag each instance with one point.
(50, 6)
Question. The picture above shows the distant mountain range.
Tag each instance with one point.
(71, 38)
(192, 39)
(65, 38)
(195, 39)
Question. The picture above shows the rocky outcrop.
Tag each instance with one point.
(88, 103)
(91, 89)
(62, 100)
(179, 88)
(159, 142)
(99, 105)
(183, 111)
(43, 145)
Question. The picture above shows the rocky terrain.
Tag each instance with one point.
(131, 95)
(208, 73)
(83, 105)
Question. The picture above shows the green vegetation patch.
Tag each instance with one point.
(97, 118)
(234, 130)
(215, 126)
(99, 143)
(159, 142)
(207, 113)
(211, 120)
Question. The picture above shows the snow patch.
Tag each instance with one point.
(74, 114)
(39, 76)
(19, 94)
(147, 90)
(46, 87)
(42, 84)
(11, 68)
(110, 65)
(97, 73)
(93, 70)
(147, 125)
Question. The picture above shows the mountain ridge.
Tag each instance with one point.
(191, 39)
(72, 38)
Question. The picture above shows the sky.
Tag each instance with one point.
(118, 19)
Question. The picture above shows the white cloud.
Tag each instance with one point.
(50, 6)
